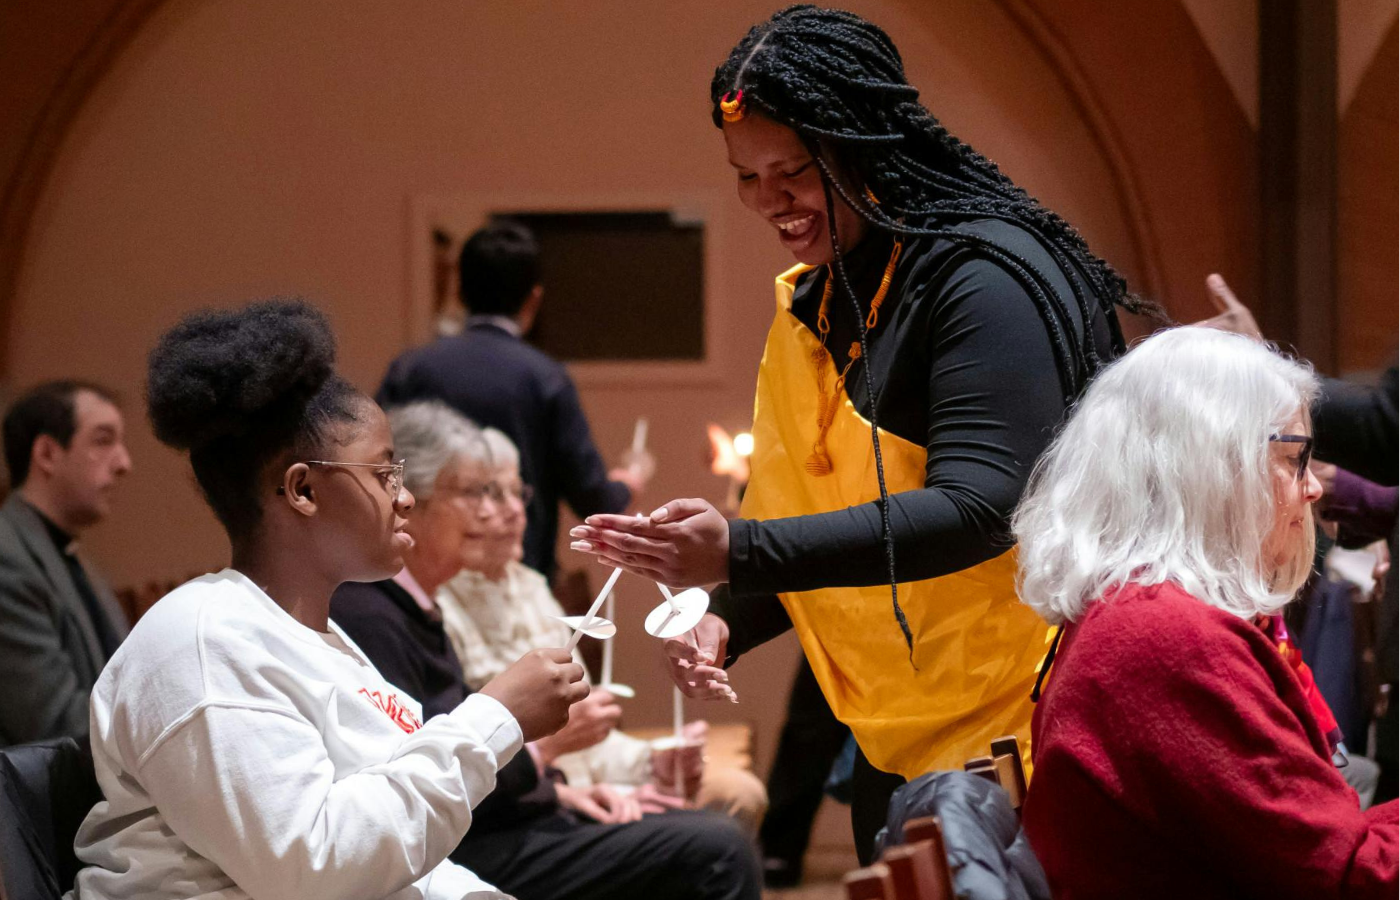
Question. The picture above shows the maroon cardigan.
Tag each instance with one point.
(1175, 756)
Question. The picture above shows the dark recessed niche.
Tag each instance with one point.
(619, 286)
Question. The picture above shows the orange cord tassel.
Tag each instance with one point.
(819, 462)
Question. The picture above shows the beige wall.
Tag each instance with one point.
(1368, 267)
(243, 148)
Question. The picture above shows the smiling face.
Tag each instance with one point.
(780, 181)
(452, 528)
(508, 526)
(1293, 499)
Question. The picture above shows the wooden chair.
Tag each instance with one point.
(918, 869)
(871, 883)
(982, 767)
(915, 870)
(1010, 771)
(924, 828)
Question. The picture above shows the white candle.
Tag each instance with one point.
(678, 717)
(678, 727)
(608, 645)
(639, 437)
(593, 610)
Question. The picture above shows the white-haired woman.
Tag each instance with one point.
(497, 605)
(1176, 751)
(536, 838)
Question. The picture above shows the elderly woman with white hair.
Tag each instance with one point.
(497, 605)
(536, 837)
(1176, 751)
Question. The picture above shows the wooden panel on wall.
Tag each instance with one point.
(1368, 273)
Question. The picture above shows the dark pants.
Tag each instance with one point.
(871, 790)
(680, 855)
(810, 741)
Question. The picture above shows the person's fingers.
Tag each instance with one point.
(707, 673)
(619, 544)
(645, 566)
(706, 645)
(649, 544)
(643, 546)
(701, 682)
(627, 524)
(697, 691)
(677, 510)
(677, 648)
(1221, 296)
(593, 810)
(708, 689)
(620, 807)
(632, 566)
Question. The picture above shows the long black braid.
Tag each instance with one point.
(838, 81)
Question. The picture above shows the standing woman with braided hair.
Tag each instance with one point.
(939, 325)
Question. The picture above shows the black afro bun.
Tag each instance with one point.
(220, 374)
(241, 389)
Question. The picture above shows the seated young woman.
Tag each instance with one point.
(246, 747)
(496, 606)
(1176, 751)
(535, 836)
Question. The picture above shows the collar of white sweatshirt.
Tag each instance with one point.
(242, 754)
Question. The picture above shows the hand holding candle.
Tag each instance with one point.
(695, 660)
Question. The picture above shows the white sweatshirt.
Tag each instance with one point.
(242, 754)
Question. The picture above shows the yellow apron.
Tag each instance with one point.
(976, 646)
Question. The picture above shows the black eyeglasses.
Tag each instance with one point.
(394, 469)
(1304, 457)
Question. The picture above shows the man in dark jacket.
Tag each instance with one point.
(59, 622)
(492, 376)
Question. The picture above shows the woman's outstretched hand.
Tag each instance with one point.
(683, 544)
(694, 660)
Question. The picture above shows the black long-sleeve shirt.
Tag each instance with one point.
(963, 364)
(1356, 427)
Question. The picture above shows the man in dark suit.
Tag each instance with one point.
(59, 622)
(491, 375)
